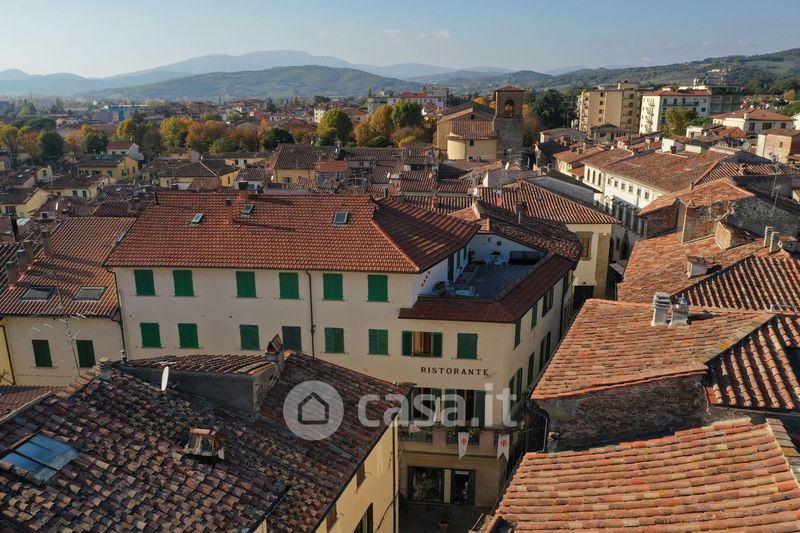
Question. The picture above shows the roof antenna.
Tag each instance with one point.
(164, 378)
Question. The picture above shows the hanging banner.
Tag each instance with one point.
(463, 442)
(502, 445)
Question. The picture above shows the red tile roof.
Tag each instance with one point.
(755, 114)
(612, 344)
(665, 171)
(548, 205)
(710, 193)
(473, 129)
(732, 475)
(79, 247)
(14, 397)
(670, 92)
(508, 307)
(220, 364)
(417, 181)
(290, 231)
(119, 145)
(729, 169)
(578, 154)
(132, 472)
(666, 256)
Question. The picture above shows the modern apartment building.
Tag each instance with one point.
(618, 105)
(656, 104)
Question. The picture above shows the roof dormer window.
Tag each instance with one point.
(340, 218)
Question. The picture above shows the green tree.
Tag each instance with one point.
(406, 114)
(151, 143)
(677, 119)
(57, 107)
(27, 109)
(274, 136)
(174, 131)
(699, 121)
(335, 124)
(381, 122)
(212, 116)
(791, 109)
(50, 146)
(9, 137)
(554, 109)
(94, 142)
(223, 145)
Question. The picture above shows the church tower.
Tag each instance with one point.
(508, 122)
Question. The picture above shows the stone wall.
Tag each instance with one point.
(625, 413)
(662, 221)
(702, 221)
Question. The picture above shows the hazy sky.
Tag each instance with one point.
(105, 37)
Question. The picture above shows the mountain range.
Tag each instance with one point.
(284, 73)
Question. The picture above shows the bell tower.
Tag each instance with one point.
(508, 122)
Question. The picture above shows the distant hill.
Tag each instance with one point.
(279, 82)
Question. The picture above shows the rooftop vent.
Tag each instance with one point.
(680, 312)
(340, 218)
(205, 443)
(197, 218)
(661, 304)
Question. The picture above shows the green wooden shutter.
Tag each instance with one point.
(531, 360)
(334, 340)
(378, 342)
(85, 353)
(246, 284)
(183, 282)
(467, 346)
(289, 285)
(144, 282)
(187, 336)
(332, 287)
(517, 332)
(408, 343)
(437, 344)
(534, 315)
(249, 337)
(377, 288)
(480, 406)
(292, 337)
(449, 403)
(151, 335)
(41, 353)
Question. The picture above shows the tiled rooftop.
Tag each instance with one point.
(729, 476)
(665, 171)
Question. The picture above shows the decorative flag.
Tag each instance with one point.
(413, 428)
(463, 442)
(502, 445)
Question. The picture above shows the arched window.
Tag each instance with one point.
(508, 108)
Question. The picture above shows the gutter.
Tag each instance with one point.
(311, 312)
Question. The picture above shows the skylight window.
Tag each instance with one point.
(248, 209)
(340, 218)
(40, 457)
(91, 294)
(197, 218)
(39, 293)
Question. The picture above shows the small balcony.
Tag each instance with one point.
(489, 278)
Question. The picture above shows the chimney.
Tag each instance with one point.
(774, 242)
(22, 261)
(661, 305)
(105, 369)
(229, 209)
(680, 312)
(14, 226)
(244, 195)
(522, 211)
(204, 443)
(275, 353)
(28, 245)
(767, 232)
(12, 273)
(47, 244)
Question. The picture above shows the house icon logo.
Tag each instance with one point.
(313, 410)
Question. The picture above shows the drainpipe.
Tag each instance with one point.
(311, 312)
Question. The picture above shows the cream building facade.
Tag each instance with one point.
(620, 106)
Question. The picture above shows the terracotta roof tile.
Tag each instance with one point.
(727, 476)
(290, 231)
(289, 156)
(714, 192)
(755, 114)
(79, 247)
(665, 171)
(601, 350)
(730, 169)
(473, 129)
(579, 154)
(14, 397)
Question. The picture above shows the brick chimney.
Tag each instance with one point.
(244, 194)
(12, 273)
(522, 211)
(22, 261)
(47, 242)
(229, 209)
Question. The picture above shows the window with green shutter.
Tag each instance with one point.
(289, 285)
(183, 282)
(378, 342)
(450, 412)
(422, 344)
(187, 336)
(377, 288)
(41, 353)
(144, 283)
(531, 362)
(480, 406)
(534, 315)
(85, 353)
(292, 337)
(151, 335)
(245, 284)
(334, 340)
(517, 332)
(548, 301)
(332, 287)
(519, 384)
(248, 337)
(467, 346)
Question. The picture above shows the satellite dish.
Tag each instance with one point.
(165, 378)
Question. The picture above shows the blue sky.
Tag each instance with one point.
(101, 38)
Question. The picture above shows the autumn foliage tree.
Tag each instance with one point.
(174, 131)
(334, 125)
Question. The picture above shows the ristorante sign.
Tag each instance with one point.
(454, 371)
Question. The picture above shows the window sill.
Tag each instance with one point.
(152, 347)
(184, 296)
(379, 354)
(335, 353)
